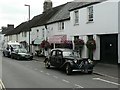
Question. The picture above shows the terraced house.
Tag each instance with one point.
(84, 21)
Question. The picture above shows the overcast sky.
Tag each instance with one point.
(14, 11)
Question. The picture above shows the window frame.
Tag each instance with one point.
(61, 26)
(90, 14)
(76, 17)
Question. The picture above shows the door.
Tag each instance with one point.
(52, 57)
(58, 59)
(109, 49)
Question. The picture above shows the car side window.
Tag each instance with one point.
(53, 53)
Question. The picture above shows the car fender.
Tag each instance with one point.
(46, 60)
(67, 62)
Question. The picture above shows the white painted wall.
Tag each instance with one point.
(1, 41)
(53, 29)
(24, 38)
(105, 20)
(34, 34)
(119, 32)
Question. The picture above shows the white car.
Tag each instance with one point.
(7, 48)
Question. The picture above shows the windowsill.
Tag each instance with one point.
(76, 24)
(61, 30)
(89, 22)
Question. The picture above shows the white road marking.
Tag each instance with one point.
(107, 75)
(36, 69)
(65, 81)
(55, 77)
(41, 71)
(106, 81)
(2, 86)
(47, 73)
(78, 86)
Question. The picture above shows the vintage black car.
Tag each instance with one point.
(69, 60)
(21, 53)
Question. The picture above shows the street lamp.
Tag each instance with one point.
(29, 22)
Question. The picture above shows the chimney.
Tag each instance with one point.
(47, 5)
(10, 26)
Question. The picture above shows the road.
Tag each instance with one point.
(33, 74)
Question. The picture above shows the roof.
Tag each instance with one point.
(64, 13)
(18, 29)
(52, 15)
(43, 18)
(85, 4)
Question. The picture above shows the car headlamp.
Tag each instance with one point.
(90, 61)
(75, 61)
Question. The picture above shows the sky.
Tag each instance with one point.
(14, 11)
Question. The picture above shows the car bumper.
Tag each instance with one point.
(30, 57)
(77, 67)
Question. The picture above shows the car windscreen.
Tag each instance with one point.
(16, 46)
(71, 54)
(22, 51)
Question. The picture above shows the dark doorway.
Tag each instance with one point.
(109, 49)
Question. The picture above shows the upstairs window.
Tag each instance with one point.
(90, 14)
(10, 37)
(24, 34)
(60, 25)
(76, 17)
(43, 33)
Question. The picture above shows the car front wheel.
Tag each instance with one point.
(12, 57)
(47, 64)
(90, 72)
(68, 69)
(18, 57)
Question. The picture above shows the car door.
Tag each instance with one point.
(58, 58)
(52, 57)
(15, 53)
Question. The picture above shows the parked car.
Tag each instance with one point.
(9, 47)
(69, 60)
(21, 53)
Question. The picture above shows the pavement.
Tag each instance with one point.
(108, 70)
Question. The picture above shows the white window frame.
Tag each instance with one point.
(10, 37)
(16, 37)
(43, 33)
(76, 17)
(90, 13)
(24, 34)
(61, 26)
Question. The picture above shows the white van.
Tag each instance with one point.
(9, 47)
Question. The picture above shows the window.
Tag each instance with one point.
(43, 33)
(53, 53)
(76, 17)
(37, 32)
(17, 37)
(24, 34)
(60, 25)
(90, 13)
(10, 37)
